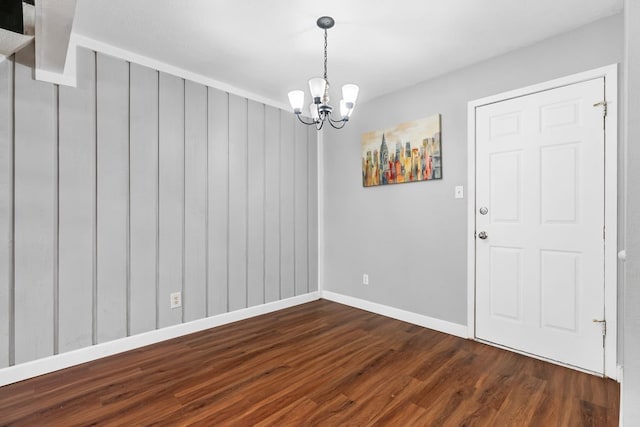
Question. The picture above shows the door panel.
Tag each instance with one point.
(559, 274)
(506, 191)
(506, 283)
(540, 271)
(559, 192)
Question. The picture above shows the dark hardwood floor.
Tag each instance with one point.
(320, 363)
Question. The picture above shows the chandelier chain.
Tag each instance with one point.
(325, 54)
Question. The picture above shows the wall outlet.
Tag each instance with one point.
(365, 279)
(176, 299)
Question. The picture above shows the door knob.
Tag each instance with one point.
(482, 235)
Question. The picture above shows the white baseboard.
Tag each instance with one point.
(618, 373)
(49, 364)
(620, 380)
(396, 313)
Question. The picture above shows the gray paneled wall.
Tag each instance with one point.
(218, 216)
(171, 195)
(6, 213)
(238, 189)
(112, 191)
(287, 205)
(137, 184)
(143, 197)
(195, 199)
(35, 213)
(76, 208)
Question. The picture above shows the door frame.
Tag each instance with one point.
(610, 74)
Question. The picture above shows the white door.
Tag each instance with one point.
(540, 201)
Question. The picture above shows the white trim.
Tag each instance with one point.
(610, 73)
(55, 55)
(619, 374)
(396, 313)
(620, 380)
(11, 42)
(98, 46)
(56, 78)
(607, 72)
(34, 368)
(471, 223)
(611, 221)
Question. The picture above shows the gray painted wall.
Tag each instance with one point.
(411, 238)
(631, 383)
(137, 184)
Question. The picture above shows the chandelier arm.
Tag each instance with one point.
(321, 123)
(331, 122)
(306, 123)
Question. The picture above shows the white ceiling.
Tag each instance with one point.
(269, 47)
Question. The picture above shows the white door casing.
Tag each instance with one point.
(539, 276)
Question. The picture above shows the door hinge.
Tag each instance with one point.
(602, 104)
(603, 325)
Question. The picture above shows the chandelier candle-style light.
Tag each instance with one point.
(319, 87)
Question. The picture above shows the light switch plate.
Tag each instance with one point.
(459, 193)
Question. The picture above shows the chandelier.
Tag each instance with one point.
(319, 87)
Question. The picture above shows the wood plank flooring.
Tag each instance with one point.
(319, 363)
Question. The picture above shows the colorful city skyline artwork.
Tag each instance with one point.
(408, 152)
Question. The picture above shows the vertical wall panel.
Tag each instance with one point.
(287, 223)
(300, 180)
(218, 159)
(256, 186)
(6, 208)
(164, 186)
(312, 209)
(112, 104)
(237, 202)
(171, 213)
(195, 268)
(143, 208)
(77, 203)
(35, 211)
(272, 205)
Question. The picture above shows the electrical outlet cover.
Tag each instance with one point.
(176, 299)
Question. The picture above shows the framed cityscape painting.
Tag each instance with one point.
(408, 152)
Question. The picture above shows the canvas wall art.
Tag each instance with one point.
(408, 152)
